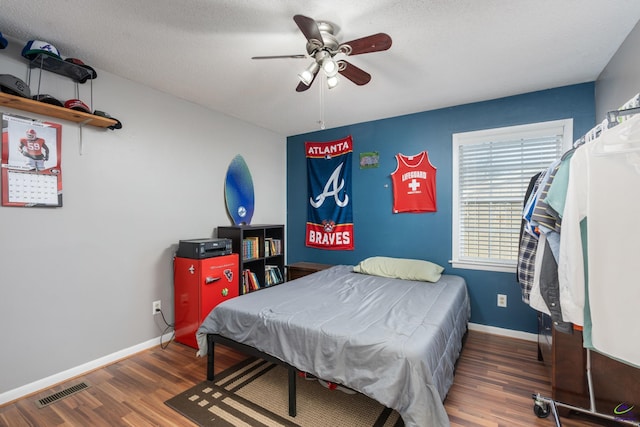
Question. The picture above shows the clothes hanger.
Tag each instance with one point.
(621, 138)
(614, 118)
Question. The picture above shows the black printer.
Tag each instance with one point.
(203, 248)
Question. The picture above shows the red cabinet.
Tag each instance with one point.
(200, 285)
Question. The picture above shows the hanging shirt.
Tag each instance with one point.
(544, 295)
(414, 184)
(597, 269)
(542, 214)
(557, 192)
(527, 247)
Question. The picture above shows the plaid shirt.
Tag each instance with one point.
(528, 247)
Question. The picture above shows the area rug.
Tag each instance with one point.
(255, 393)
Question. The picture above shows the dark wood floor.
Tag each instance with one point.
(494, 381)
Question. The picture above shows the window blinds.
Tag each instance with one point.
(493, 176)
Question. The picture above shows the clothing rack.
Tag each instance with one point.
(629, 108)
(614, 117)
(543, 406)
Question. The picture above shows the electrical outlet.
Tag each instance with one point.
(502, 300)
(157, 306)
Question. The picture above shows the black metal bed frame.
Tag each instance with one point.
(212, 339)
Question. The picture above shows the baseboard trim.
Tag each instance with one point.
(37, 386)
(528, 336)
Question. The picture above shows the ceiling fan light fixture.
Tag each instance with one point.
(332, 81)
(329, 66)
(307, 75)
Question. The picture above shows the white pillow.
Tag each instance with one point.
(400, 268)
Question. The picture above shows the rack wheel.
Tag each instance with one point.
(541, 409)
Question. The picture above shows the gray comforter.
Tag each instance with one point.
(393, 340)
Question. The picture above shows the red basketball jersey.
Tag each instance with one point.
(414, 184)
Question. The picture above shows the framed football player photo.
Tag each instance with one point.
(31, 159)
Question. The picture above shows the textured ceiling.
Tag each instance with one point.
(444, 52)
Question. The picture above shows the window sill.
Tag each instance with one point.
(498, 268)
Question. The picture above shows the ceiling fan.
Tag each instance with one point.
(323, 47)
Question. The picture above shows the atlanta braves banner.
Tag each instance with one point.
(329, 214)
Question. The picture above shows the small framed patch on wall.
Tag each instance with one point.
(369, 160)
(31, 159)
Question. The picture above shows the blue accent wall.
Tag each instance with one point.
(377, 231)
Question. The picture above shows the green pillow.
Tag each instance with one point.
(400, 268)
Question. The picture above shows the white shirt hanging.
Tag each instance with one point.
(601, 221)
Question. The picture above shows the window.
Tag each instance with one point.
(491, 172)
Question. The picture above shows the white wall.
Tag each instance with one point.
(77, 282)
(620, 79)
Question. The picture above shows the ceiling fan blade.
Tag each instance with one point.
(353, 73)
(309, 28)
(279, 56)
(302, 87)
(372, 43)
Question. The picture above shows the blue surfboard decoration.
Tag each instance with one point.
(238, 192)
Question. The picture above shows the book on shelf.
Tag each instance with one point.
(255, 283)
(272, 246)
(245, 282)
(251, 248)
(250, 281)
(272, 275)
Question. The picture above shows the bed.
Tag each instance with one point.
(393, 340)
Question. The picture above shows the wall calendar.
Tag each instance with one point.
(31, 158)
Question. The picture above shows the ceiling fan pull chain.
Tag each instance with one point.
(321, 121)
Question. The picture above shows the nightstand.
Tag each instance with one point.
(300, 269)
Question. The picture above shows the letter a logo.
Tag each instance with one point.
(332, 183)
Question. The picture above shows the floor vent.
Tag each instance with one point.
(53, 398)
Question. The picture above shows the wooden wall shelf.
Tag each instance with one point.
(24, 104)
